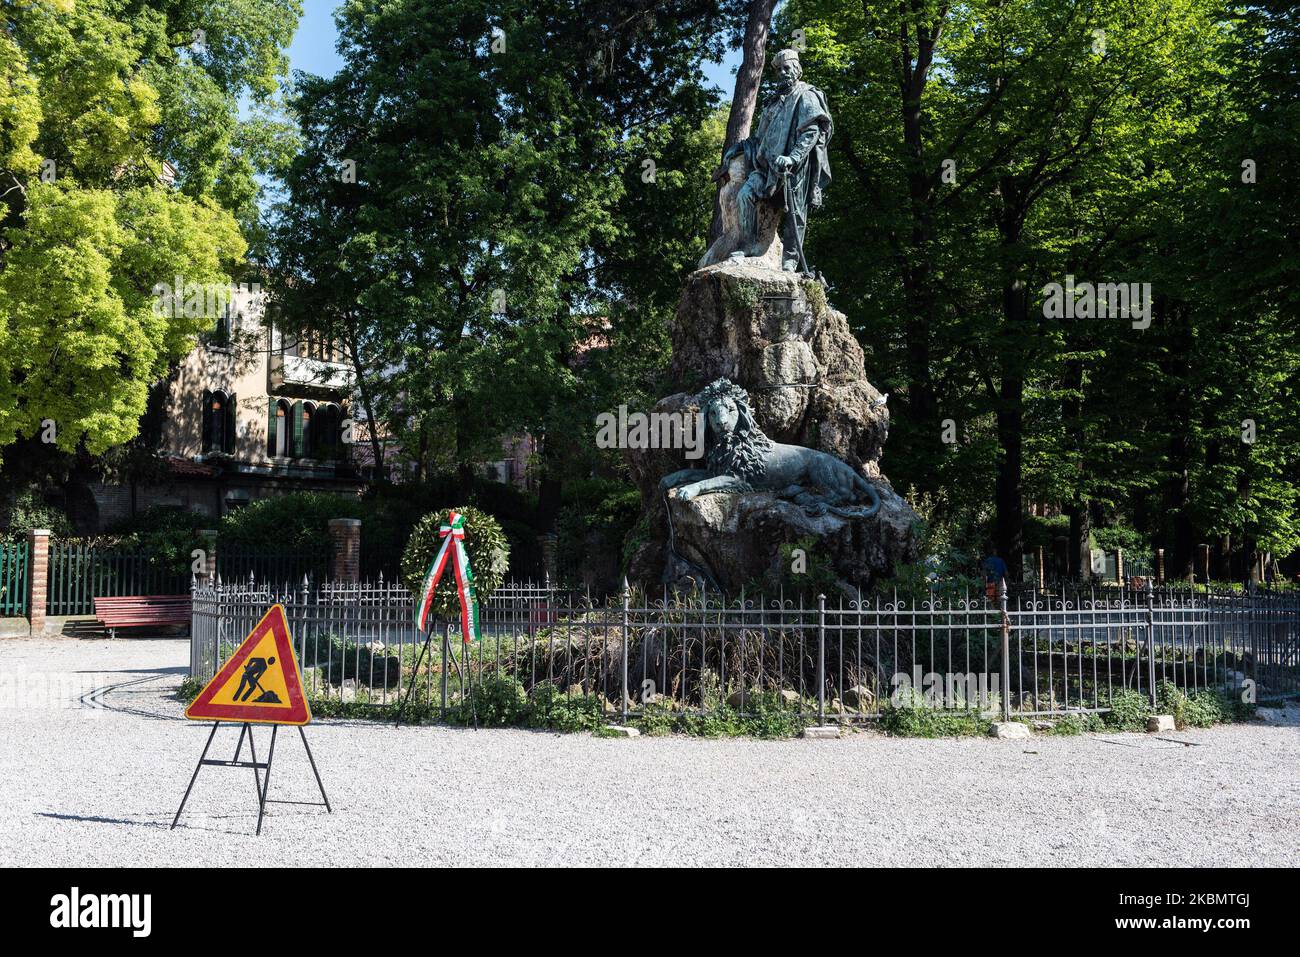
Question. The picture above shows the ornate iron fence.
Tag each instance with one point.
(1032, 654)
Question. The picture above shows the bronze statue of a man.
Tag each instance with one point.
(786, 159)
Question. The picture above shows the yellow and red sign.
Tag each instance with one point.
(260, 684)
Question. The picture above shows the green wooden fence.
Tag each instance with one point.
(14, 569)
(80, 573)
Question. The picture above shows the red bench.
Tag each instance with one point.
(142, 611)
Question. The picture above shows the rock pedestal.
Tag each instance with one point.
(774, 334)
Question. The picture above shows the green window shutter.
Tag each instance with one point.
(297, 450)
(270, 427)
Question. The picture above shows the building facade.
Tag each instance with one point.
(253, 410)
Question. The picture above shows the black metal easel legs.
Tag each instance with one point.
(262, 786)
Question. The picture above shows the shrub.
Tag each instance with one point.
(189, 689)
(29, 510)
(1129, 710)
(767, 717)
(489, 557)
(817, 576)
(298, 521)
(549, 707)
(1198, 709)
(911, 717)
(494, 701)
(770, 717)
(166, 533)
(657, 719)
(597, 518)
(1072, 724)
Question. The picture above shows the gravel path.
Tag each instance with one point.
(94, 757)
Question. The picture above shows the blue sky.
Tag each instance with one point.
(313, 47)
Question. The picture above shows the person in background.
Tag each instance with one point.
(995, 571)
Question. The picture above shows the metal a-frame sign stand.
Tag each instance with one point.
(262, 787)
(253, 668)
(447, 656)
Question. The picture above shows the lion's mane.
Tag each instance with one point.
(743, 451)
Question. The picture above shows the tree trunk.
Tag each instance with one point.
(1080, 556)
(1009, 491)
(745, 98)
(919, 321)
(1177, 369)
(372, 426)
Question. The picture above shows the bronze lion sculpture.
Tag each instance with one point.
(740, 458)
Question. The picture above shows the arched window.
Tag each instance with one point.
(279, 432)
(307, 443)
(218, 421)
(326, 430)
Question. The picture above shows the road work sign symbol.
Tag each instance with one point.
(260, 683)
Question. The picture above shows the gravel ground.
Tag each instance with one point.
(94, 757)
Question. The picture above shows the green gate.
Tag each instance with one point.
(80, 573)
(14, 569)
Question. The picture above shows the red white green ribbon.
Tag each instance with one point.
(453, 551)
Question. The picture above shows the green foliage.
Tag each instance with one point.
(1136, 545)
(489, 557)
(298, 521)
(598, 516)
(549, 707)
(493, 701)
(1075, 724)
(766, 716)
(493, 246)
(1071, 160)
(29, 510)
(657, 719)
(1045, 531)
(911, 717)
(1129, 710)
(1201, 707)
(817, 576)
(109, 93)
(166, 533)
(189, 689)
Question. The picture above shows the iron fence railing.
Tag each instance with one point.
(80, 572)
(14, 570)
(1027, 654)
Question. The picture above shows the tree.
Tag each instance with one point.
(748, 79)
(993, 149)
(106, 103)
(521, 175)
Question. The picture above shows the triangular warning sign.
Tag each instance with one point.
(261, 682)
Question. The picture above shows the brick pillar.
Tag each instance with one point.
(1160, 566)
(38, 577)
(208, 542)
(346, 535)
